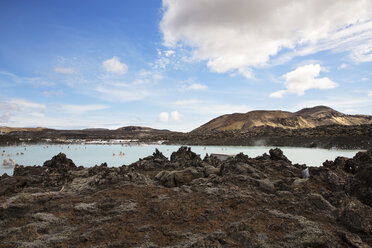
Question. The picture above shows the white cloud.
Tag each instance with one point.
(196, 87)
(26, 104)
(236, 35)
(8, 106)
(190, 84)
(115, 66)
(143, 73)
(175, 116)
(161, 63)
(362, 53)
(304, 78)
(34, 81)
(278, 94)
(342, 66)
(163, 117)
(246, 72)
(20, 106)
(150, 75)
(80, 109)
(370, 93)
(364, 79)
(169, 53)
(64, 70)
(132, 84)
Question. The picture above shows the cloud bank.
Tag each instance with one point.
(236, 35)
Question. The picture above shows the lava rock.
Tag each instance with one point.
(361, 185)
(277, 154)
(60, 163)
(178, 178)
(357, 217)
(185, 157)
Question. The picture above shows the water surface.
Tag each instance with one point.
(90, 155)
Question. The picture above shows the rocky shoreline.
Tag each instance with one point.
(332, 136)
(185, 201)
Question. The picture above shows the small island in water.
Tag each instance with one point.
(183, 200)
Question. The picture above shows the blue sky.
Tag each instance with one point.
(177, 64)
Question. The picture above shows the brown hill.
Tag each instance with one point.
(20, 129)
(305, 118)
(140, 129)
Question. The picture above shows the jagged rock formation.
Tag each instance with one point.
(305, 118)
(189, 202)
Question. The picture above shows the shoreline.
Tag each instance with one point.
(123, 154)
(342, 137)
(358, 143)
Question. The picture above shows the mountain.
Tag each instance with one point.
(305, 118)
(140, 129)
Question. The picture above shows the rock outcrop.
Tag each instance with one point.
(185, 201)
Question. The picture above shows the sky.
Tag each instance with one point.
(176, 64)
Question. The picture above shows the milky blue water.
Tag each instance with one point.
(90, 155)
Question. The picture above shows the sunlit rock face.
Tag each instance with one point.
(305, 118)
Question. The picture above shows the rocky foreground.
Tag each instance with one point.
(189, 202)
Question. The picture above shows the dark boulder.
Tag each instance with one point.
(185, 157)
(178, 178)
(159, 155)
(277, 154)
(212, 160)
(238, 158)
(60, 163)
(20, 170)
(360, 185)
(152, 163)
(357, 217)
(57, 171)
(338, 163)
(360, 160)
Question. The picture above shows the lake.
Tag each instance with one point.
(118, 155)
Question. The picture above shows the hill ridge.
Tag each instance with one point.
(305, 118)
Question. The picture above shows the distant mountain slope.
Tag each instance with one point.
(305, 118)
(20, 129)
(140, 129)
